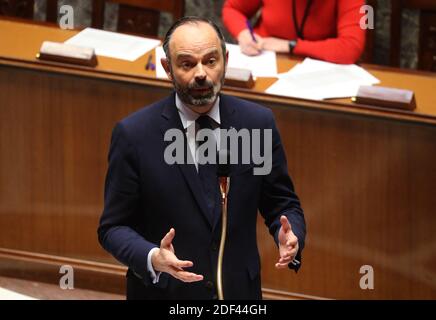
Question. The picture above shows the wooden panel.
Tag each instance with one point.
(54, 137)
(367, 188)
(45, 268)
(44, 291)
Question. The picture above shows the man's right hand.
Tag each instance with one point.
(164, 260)
(247, 45)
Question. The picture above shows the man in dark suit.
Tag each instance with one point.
(148, 199)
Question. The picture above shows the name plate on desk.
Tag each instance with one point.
(386, 97)
(66, 53)
(239, 78)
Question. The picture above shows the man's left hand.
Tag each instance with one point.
(288, 244)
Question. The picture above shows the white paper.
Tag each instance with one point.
(290, 89)
(11, 295)
(112, 44)
(263, 65)
(160, 71)
(318, 80)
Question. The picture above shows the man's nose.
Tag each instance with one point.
(200, 73)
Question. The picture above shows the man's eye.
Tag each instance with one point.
(186, 65)
(211, 61)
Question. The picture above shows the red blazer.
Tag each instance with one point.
(332, 31)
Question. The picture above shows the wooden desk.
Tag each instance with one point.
(366, 176)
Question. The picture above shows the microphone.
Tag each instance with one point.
(223, 173)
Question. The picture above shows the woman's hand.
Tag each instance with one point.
(248, 45)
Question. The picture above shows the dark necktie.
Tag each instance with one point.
(207, 172)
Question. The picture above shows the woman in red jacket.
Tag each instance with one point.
(322, 29)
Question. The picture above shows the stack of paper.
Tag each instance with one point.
(318, 80)
(112, 44)
(263, 65)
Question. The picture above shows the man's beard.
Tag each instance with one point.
(189, 96)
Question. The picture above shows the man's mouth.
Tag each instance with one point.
(202, 89)
(201, 92)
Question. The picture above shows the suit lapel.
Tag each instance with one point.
(227, 113)
(171, 120)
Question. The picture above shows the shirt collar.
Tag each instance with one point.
(188, 116)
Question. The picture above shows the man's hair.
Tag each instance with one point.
(191, 20)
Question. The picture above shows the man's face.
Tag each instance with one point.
(197, 65)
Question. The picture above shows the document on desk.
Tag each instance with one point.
(112, 44)
(263, 65)
(319, 80)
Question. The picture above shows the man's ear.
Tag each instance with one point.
(227, 57)
(166, 65)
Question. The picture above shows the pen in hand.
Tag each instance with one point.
(251, 31)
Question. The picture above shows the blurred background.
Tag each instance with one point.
(411, 24)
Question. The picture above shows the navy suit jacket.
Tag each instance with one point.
(145, 197)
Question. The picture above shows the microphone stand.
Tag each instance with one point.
(223, 173)
(224, 183)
